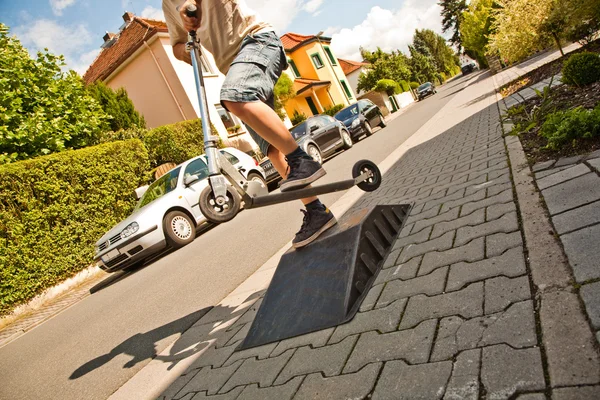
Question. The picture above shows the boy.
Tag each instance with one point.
(249, 53)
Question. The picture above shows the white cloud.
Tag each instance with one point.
(278, 13)
(59, 5)
(312, 6)
(70, 41)
(153, 13)
(388, 29)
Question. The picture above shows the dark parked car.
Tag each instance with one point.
(321, 136)
(468, 68)
(425, 90)
(360, 118)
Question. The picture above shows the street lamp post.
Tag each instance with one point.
(331, 65)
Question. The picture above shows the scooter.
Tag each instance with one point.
(221, 200)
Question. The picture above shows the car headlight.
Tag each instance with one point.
(355, 123)
(130, 230)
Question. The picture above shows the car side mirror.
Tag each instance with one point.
(139, 192)
(190, 179)
(313, 128)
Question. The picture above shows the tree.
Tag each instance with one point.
(421, 66)
(383, 65)
(430, 44)
(475, 29)
(118, 106)
(283, 91)
(451, 19)
(42, 109)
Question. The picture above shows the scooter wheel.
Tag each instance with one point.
(219, 213)
(374, 181)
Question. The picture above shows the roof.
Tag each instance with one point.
(302, 84)
(291, 41)
(349, 66)
(127, 42)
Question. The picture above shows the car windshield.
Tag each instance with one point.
(299, 130)
(165, 184)
(347, 113)
(423, 86)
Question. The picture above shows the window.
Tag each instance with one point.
(294, 68)
(165, 184)
(205, 66)
(346, 89)
(232, 124)
(230, 157)
(330, 55)
(197, 167)
(317, 60)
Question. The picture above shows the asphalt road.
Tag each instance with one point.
(91, 349)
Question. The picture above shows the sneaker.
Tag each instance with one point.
(302, 172)
(315, 222)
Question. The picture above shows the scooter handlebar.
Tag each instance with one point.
(191, 11)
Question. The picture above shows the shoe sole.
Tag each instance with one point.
(302, 183)
(315, 235)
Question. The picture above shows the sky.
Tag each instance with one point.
(74, 28)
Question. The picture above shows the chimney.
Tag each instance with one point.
(128, 16)
(108, 37)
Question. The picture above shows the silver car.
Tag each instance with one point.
(167, 214)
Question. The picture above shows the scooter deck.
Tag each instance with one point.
(263, 201)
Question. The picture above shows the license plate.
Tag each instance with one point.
(110, 255)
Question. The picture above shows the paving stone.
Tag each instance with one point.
(415, 217)
(500, 188)
(511, 264)
(574, 193)
(467, 303)
(213, 357)
(507, 223)
(348, 386)
(590, 294)
(498, 243)
(464, 382)
(595, 154)
(498, 210)
(501, 292)
(568, 161)
(444, 242)
(595, 163)
(262, 371)
(569, 342)
(515, 327)
(400, 381)
(404, 271)
(314, 339)
(210, 380)
(563, 176)
(505, 371)
(428, 284)
(328, 359)
(551, 171)
(472, 251)
(475, 197)
(232, 395)
(174, 389)
(532, 396)
(391, 258)
(260, 352)
(576, 393)
(412, 345)
(476, 218)
(447, 216)
(503, 197)
(583, 252)
(542, 165)
(371, 298)
(416, 238)
(383, 320)
(577, 218)
(282, 392)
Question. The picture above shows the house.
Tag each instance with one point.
(140, 59)
(319, 81)
(352, 70)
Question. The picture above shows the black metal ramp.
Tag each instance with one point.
(323, 284)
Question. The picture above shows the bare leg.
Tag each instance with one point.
(278, 160)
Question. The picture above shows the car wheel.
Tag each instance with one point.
(368, 129)
(382, 124)
(253, 176)
(179, 229)
(315, 153)
(346, 139)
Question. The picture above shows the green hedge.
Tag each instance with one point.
(582, 69)
(331, 111)
(54, 208)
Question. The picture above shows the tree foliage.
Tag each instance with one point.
(42, 109)
(393, 65)
(452, 11)
(429, 43)
(283, 91)
(117, 105)
(422, 66)
(476, 28)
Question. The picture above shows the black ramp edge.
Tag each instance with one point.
(323, 284)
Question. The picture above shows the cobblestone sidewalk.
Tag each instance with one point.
(454, 314)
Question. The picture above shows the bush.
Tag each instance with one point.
(175, 143)
(334, 110)
(404, 86)
(565, 127)
(54, 208)
(389, 86)
(414, 85)
(298, 118)
(582, 69)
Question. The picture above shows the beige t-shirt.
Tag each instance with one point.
(223, 26)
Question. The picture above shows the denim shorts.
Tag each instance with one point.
(254, 73)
